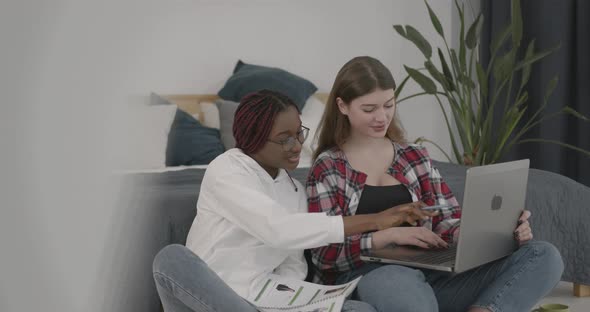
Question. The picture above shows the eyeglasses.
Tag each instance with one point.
(289, 142)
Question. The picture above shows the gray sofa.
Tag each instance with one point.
(559, 205)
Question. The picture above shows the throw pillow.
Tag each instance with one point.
(249, 78)
(190, 143)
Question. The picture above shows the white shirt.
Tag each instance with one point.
(249, 225)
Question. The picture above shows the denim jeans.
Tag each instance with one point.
(514, 283)
(186, 284)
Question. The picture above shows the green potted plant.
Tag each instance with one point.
(462, 80)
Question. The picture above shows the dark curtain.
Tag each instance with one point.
(551, 22)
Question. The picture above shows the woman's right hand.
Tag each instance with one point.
(407, 213)
(414, 236)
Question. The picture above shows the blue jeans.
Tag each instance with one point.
(185, 284)
(513, 283)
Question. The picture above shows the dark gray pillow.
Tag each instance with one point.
(190, 143)
(227, 110)
(249, 78)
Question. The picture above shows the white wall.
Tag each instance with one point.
(192, 46)
(68, 64)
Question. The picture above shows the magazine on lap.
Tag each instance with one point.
(279, 293)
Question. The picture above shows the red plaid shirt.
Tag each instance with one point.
(335, 188)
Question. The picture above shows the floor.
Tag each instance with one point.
(564, 294)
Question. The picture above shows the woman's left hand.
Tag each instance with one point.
(523, 232)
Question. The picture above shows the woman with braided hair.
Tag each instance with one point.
(252, 218)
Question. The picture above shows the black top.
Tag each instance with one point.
(375, 199)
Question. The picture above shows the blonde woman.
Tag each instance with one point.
(362, 165)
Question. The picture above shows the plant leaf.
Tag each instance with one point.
(482, 79)
(400, 30)
(523, 98)
(446, 70)
(533, 120)
(510, 126)
(504, 66)
(458, 114)
(517, 23)
(399, 88)
(466, 81)
(550, 87)
(426, 83)
(462, 60)
(571, 111)
(526, 71)
(473, 32)
(536, 57)
(455, 61)
(423, 139)
(499, 39)
(435, 20)
(436, 74)
(420, 42)
(583, 151)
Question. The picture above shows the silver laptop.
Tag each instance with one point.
(493, 200)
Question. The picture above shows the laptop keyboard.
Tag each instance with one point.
(436, 257)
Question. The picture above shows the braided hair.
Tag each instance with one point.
(255, 116)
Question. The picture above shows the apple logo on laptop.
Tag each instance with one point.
(496, 202)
